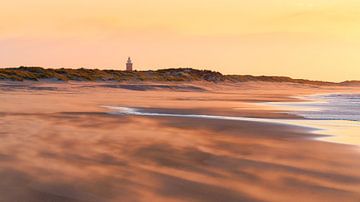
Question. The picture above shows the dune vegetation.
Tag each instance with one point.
(173, 74)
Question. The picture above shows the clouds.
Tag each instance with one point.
(194, 18)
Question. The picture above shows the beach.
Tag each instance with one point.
(60, 141)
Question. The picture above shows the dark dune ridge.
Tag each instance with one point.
(33, 86)
(180, 74)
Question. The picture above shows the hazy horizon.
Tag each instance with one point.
(309, 39)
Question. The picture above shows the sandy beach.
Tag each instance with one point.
(59, 143)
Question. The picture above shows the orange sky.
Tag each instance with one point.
(314, 39)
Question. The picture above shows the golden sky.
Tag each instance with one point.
(314, 39)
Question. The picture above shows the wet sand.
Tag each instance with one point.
(59, 144)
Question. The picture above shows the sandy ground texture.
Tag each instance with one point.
(58, 143)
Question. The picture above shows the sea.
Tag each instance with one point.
(336, 116)
(327, 107)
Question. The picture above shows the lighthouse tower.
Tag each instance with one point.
(129, 65)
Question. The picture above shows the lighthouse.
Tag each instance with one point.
(129, 65)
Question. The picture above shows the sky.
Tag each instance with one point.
(311, 39)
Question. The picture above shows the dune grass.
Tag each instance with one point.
(174, 74)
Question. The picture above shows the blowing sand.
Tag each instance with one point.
(59, 144)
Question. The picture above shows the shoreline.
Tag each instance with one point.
(323, 130)
(336, 131)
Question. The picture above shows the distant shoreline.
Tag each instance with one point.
(162, 75)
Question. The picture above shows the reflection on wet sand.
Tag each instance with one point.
(67, 148)
(99, 157)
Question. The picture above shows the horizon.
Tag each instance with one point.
(308, 39)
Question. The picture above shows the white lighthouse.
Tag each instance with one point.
(129, 65)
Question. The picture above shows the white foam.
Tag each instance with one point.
(138, 112)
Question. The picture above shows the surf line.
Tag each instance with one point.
(137, 112)
(319, 127)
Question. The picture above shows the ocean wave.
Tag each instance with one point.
(334, 107)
